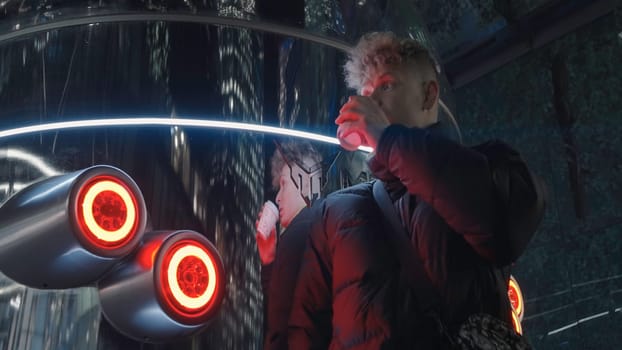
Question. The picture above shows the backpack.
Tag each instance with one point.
(480, 331)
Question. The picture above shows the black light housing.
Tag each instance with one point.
(67, 231)
(171, 287)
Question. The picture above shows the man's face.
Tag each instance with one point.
(288, 198)
(399, 91)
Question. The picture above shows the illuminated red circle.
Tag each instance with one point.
(107, 212)
(192, 276)
(516, 298)
(189, 279)
(513, 298)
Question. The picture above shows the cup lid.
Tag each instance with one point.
(271, 206)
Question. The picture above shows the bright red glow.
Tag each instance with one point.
(192, 276)
(516, 298)
(107, 212)
(147, 254)
(189, 279)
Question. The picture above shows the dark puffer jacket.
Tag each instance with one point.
(472, 211)
(278, 279)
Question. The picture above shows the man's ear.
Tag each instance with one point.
(430, 90)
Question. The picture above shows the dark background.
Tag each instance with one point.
(541, 75)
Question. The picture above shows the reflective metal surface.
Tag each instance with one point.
(44, 218)
(226, 60)
(33, 319)
(218, 60)
(134, 297)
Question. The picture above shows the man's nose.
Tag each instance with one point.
(278, 198)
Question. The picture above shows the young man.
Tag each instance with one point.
(296, 173)
(457, 203)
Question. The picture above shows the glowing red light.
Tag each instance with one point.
(107, 212)
(513, 298)
(192, 276)
(516, 298)
(147, 254)
(189, 279)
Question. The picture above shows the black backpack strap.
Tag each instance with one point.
(427, 297)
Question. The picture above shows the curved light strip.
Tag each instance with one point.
(201, 18)
(179, 295)
(218, 124)
(33, 160)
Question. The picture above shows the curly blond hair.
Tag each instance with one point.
(377, 50)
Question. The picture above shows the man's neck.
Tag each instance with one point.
(292, 220)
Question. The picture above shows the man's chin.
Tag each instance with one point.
(284, 223)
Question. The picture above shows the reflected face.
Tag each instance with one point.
(398, 90)
(288, 199)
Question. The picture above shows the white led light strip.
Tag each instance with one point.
(172, 122)
(89, 219)
(173, 282)
(47, 170)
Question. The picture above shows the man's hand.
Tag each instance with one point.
(363, 116)
(265, 246)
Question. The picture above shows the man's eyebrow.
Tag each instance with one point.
(382, 78)
(385, 76)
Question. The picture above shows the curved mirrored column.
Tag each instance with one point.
(203, 60)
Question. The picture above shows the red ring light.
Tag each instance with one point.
(516, 298)
(189, 279)
(107, 212)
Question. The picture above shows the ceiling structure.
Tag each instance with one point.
(472, 37)
(476, 37)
